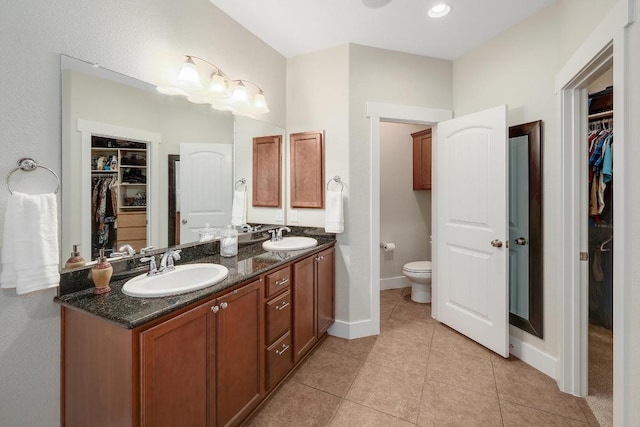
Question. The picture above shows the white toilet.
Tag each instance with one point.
(419, 274)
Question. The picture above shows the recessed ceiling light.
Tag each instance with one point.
(439, 10)
(375, 4)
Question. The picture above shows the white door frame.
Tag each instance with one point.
(382, 112)
(607, 44)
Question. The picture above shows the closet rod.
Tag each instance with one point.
(602, 115)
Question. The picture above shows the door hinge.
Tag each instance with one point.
(584, 256)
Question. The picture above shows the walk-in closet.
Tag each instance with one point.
(600, 140)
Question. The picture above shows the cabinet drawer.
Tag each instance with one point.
(278, 281)
(278, 316)
(279, 360)
(138, 219)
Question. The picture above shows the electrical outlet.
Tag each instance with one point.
(294, 216)
(279, 216)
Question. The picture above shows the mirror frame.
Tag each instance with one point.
(534, 324)
(171, 199)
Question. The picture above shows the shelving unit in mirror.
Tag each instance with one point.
(119, 172)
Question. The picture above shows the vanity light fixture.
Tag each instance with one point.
(221, 92)
(439, 10)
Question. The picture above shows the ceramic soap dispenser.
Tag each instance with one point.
(101, 274)
(75, 260)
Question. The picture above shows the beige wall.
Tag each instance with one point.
(518, 68)
(631, 206)
(405, 214)
(142, 39)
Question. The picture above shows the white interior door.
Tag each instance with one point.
(472, 227)
(205, 188)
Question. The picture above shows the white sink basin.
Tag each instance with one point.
(185, 278)
(290, 243)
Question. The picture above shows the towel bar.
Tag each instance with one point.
(27, 164)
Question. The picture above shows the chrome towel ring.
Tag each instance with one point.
(338, 180)
(27, 164)
(241, 182)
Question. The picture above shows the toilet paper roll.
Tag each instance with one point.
(388, 247)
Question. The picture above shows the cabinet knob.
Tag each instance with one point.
(184, 220)
(215, 309)
(223, 305)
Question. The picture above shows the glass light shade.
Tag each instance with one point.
(189, 74)
(218, 84)
(439, 10)
(239, 93)
(260, 103)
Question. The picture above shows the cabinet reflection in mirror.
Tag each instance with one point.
(525, 227)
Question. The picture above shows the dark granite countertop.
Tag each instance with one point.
(131, 312)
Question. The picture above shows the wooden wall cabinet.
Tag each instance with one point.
(267, 172)
(210, 365)
(422, 160)
(307, 170)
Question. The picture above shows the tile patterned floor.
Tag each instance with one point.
(417, 372)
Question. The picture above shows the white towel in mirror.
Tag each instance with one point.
(334, 220)
(239, 208)
(30, 257)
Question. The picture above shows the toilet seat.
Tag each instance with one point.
(418, 267)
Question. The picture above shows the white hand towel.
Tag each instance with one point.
(30, 257)
(239, 208)
(334, 220)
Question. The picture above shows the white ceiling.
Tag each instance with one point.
(296, 27)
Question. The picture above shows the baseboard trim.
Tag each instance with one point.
(352, 330)
(394, 283)
(534, 357)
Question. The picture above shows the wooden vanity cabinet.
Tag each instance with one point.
(278, 352)
(203, 367)
(422, 160)
(313, 298)
(325, 279)
(210, 365)
(205, 364)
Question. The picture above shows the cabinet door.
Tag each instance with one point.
(325, 276)
(239, 341)
(267, 175)
(304, 313)
(174, 358)
(307, 170)
(422, 160)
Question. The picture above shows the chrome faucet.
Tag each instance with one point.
(152, 264)
(166, 262)
(276, 234)
(128, 249)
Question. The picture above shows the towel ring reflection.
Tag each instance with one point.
(338, 180)
(27, 164)
(241, 182)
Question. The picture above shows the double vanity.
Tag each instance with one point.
(206, 357)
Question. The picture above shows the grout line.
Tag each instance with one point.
(495, 380)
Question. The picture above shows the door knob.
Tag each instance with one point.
(184, 221)
(496, 243)
(521, 241)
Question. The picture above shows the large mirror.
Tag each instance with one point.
(118, 135)
(525, 227)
